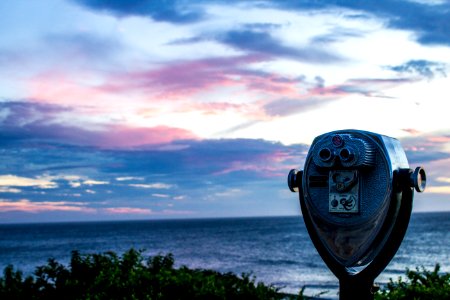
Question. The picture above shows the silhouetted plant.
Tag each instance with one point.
(108, 276)
(421, 284)
(131, 276)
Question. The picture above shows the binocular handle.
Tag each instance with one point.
(292, 180)
(416, 179)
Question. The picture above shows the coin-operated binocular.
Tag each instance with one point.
(356, 192)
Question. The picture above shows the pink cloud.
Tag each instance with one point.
(56, 122)
(98, 96)
(427, 142)
(275, 85)
(263, 170)
(25, 205)
(439, 139)
(411, 131)
(438, 176)
(128, 210)
(182, 80)
(177, 81)
(109, 136)
(56, 86)
(144, 211)
(121, 136)
(283, 156)
(251, 111)
(267, 165)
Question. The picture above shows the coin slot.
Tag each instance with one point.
(318, 181)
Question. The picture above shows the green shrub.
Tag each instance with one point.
(421, 284)
(108, 276)
(131, 276)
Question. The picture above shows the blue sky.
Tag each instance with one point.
(173, 109)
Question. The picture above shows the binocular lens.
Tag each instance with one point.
(345, 154)
(325, 154)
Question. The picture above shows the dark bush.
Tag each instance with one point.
(131, 276)
(108, 276)
(421, 284)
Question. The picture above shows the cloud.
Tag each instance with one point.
(81, 49)
(443, 179)
(321, 94)
(238, 127)
(17, 181)
(264, 43)
(426, 147)
(35, 121)
(438, 177)
(26, 205)
(94, 182)
(438, 190)
(423, 68)
(74, 184)
(182, 78)
(165, 196)
(20, 113)
(9, 190)
(430, 23)
(157, 185)
(112, 136)
(187, 41)
(337, 34)
(144, 211)
(369, 87)
(128, 210)
(180, 174)
(261, 26)
(286, 106)
(127, 178)
(185, 166)
(165, 11)
(411, 131)
(425, 156)
(201, 168)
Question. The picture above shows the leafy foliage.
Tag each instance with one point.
(131, 276)
(108, 276)
(421, 284)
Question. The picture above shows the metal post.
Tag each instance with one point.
(355, 288)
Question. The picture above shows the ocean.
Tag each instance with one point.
(276, 250)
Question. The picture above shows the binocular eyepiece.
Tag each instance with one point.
(346, 155)
(343, 150)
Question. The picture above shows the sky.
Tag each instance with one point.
(115, 110)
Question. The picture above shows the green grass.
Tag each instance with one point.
(132, 276)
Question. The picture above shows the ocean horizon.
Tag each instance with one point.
(276, 250)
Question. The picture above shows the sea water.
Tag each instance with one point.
(276, 250)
